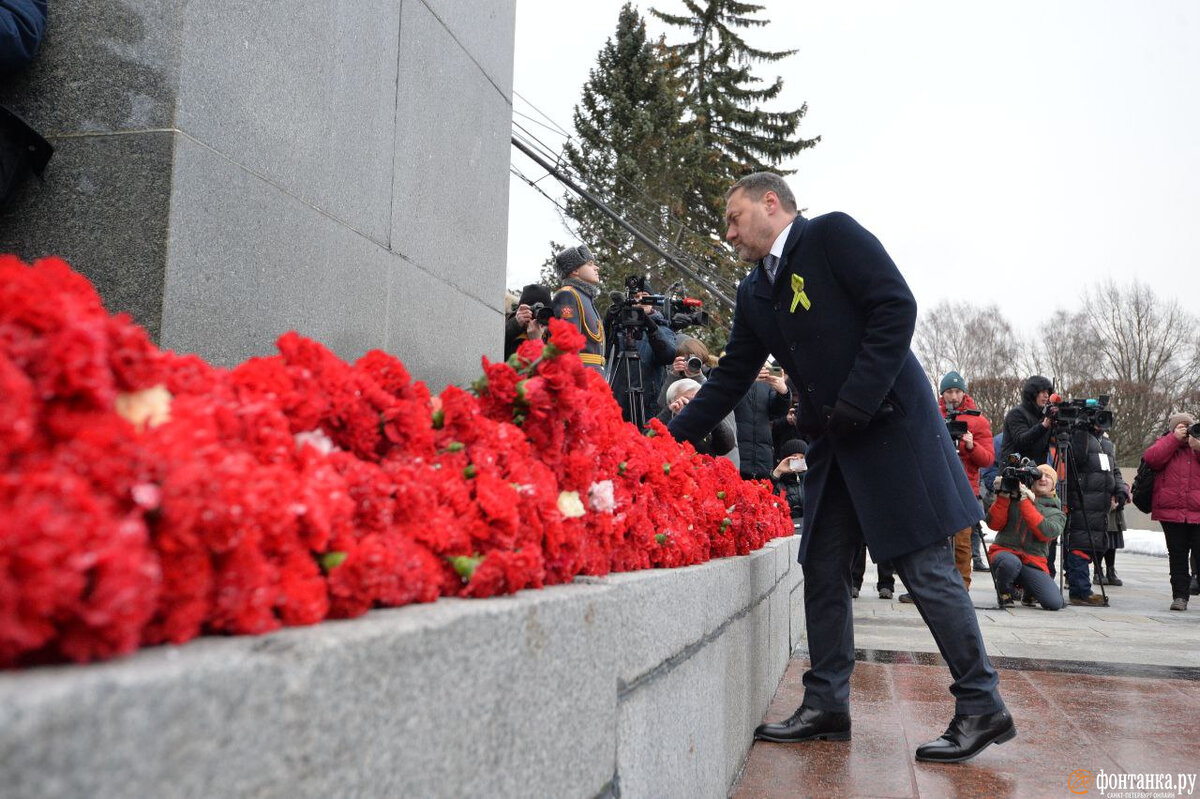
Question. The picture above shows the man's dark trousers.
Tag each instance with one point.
(931, 578)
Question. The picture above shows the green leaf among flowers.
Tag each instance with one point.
(331, 560)
(465, 565)
(661, 538)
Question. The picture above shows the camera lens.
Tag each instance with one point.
(694, 363)
(1194, 430)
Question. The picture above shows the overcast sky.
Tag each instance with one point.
(1012, 152)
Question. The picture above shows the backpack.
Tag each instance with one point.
(1143, 487)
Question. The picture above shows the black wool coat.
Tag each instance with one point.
(1089, 491)
(851, 343)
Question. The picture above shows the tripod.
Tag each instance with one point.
(1064, 464)
(626, 353)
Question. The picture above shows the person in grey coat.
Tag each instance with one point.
(828, 303)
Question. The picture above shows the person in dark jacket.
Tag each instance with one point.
(1089, 490)
(653, 341)
(828, 303)
(1026, 522)
(1026, 427)
(1115, 521)
(1175, 502)
(768, 399)
(788, 477)
(527, 322)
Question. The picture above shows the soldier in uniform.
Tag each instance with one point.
(573, 301)
(831, 306)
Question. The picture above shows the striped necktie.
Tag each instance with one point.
(771, 263)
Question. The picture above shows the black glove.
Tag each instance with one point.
(846, 420)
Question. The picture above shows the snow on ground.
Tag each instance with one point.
(1140, 542)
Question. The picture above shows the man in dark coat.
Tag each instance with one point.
(828, 302)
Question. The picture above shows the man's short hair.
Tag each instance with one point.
(759, 183)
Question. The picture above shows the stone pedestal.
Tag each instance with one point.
(227, 170)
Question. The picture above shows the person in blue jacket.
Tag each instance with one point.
(828, 303)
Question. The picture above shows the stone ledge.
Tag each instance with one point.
(512, 696)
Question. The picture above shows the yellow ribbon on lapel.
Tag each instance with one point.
(798, 295)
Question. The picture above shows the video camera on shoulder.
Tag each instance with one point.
(1018, 471)
(1079, 414)
(959, 429)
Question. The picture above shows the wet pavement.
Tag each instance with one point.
(1113, 690)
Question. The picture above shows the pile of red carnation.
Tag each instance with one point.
(148, 497)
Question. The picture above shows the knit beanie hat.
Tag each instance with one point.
(794, 446)
(680, 386)
(535, 293)
(1180, 418)
(571, 259)
(952, 380)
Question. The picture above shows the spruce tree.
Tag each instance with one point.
(724, 102)
(629, 142)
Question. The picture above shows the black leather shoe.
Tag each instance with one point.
(967, 736)
(806, 724)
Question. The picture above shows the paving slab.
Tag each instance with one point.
(1112, 690)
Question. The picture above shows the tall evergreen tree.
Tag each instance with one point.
(629, 143)
(724, 102)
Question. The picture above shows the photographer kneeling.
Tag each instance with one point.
(1027, 520)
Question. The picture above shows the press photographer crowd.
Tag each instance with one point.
(1048, 474)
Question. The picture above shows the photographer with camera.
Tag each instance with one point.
(574, 301)
(1175, 503)
(768, 399)
(1027, 517)
(692, 360)
(972, 435)
(788, 477)
(637, 329)
(530, 321)
(1027, 426)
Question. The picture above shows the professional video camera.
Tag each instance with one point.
(1018, 471)
(679, 312)
(959, 429)
(1079, 414)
